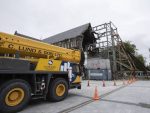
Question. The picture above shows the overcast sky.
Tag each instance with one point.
(44, 18)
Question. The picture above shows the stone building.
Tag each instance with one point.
(77, 38)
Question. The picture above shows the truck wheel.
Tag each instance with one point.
(14, 96)
(58, 90)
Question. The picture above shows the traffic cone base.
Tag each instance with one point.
(96, 98)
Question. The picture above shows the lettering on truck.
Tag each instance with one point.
(29, 49)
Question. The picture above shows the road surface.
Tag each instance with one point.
(133, 98)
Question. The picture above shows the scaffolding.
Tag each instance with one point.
(110, 46)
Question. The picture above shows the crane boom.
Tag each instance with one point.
(12, 44)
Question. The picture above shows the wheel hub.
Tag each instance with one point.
(60, 90)
(14, 97)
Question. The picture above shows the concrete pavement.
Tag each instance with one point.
(134, 98)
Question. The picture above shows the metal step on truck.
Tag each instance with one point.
(34, 69)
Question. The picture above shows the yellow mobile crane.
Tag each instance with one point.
(34, 69)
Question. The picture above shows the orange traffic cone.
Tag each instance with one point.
(129, 81)
(124, 82)
(104, 83)
(96, 96)
(88, 84)
(134, 79)
(115, 83)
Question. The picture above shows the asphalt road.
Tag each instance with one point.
(133, 98)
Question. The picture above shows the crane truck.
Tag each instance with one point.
(31, 69)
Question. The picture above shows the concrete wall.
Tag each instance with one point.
(97, 63)
(98, 69)
(99, 74)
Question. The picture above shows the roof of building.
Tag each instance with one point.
(72, 33)
(25, 36)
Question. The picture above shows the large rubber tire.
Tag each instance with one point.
(9, 86)
(52, 95)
